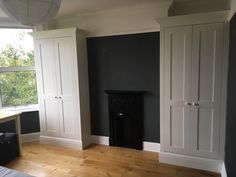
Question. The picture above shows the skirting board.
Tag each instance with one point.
(30, 137)
(67, 143)
(223, 171)
(103, 140)
(147, 146)
(191, 162)
(152, 147)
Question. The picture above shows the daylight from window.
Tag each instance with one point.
(17, 72)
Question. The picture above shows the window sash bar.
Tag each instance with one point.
(16, 69)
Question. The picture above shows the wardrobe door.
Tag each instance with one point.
(177, 55)
(67, 79)
(47, 87)
(206, 89)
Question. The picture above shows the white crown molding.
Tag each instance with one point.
(54, 33)
(108, 12)
(120, 21)
(125, 32)
(210, 17)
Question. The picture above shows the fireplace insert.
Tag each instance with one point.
(126, 118)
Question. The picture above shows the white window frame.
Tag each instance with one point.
(23, 108)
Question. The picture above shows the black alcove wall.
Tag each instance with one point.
(230, 147)
(125, 62)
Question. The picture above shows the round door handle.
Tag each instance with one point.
(56, 97)
(60, 97)
(195, 104)
(188, 103)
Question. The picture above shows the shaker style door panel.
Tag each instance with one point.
(178, 44)
(57, 54)
(206, 89)
(66, 62)
(47, 82)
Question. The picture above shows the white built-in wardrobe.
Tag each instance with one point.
(62, 79)
(193, 81)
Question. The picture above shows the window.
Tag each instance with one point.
(17, 71)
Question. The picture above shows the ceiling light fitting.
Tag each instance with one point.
(31, 12)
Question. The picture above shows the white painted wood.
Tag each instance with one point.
(177, 65)
(223, 171)
(64, 116)
(83, 82)
(63, 142)
(67, 88)
(30, 137)
(152, 147)
(147, 146)
(127, 20)
(55, 33)
(206, 141)
(17, 69)
(201, 18)
(206, 89)
(103, 140)
(224, 90)
(191, 162)
(47, 86)
(25, 108)
(162, 89)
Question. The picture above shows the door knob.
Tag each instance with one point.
(195, 104)
(55, 97)
(188, 103)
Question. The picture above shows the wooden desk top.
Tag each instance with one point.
(5, 114)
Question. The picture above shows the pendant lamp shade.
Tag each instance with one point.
(31, 12)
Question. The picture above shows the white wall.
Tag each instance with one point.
(233, 5)
(232, 8)
(119, 21)
(6, 22)
(198, 6)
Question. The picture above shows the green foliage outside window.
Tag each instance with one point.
(14, 57)
(18, 87)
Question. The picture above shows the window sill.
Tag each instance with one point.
(25, 108)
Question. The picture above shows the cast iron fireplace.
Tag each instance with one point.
(125, 118)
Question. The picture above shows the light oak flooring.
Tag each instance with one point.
(97, 161)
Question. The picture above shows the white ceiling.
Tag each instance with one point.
(69, 7)
(86, 6)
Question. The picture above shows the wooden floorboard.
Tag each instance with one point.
(97, 161)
